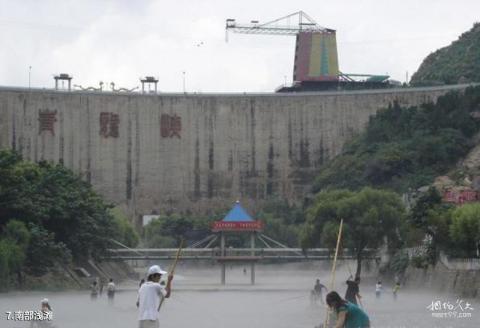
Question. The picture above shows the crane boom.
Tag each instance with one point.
(288, 25)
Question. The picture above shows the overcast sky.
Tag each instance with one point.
(122, 40)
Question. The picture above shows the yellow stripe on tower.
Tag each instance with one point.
(323, 55)
(315, 66)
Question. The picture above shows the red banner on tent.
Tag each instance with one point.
(237, 226)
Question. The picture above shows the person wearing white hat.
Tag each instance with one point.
(45, 306)
(150, 297)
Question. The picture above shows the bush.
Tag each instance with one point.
(465, 229)
(124, 231)
(420, 262)
(168, 231)
(399, 262)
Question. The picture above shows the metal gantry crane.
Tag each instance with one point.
(316, 47)
(316, 59)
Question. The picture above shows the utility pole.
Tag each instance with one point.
(29, 75)
(184, 90)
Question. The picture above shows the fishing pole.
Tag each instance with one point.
(332, 281)
(172, 268)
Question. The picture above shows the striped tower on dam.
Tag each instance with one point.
(316, 57)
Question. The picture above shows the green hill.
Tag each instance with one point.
(456, 63)
(404, 148)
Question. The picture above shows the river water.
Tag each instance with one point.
(280, 299)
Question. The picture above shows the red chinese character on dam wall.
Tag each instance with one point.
(109, 124)
(47, 121)
(170, 126)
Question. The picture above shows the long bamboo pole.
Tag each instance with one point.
(332, 280)
(177, 257)
(172, 268)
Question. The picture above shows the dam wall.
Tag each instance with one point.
(192, 153)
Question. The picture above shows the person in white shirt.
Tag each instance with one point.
(378, 289)
(111, 290)
(150, 297)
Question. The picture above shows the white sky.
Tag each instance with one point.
(122, 40)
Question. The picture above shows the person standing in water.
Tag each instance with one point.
(47, 316)
(100, 286)
(46, 306)
(378, 289)
(94, 290)
(150, 297)
(349, 315)
(353, 290)
(317, 291)
(395, 290)
(111, 290)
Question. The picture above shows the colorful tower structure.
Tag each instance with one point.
(316, 56)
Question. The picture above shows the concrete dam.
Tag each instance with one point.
(192, 153)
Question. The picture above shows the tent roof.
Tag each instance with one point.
(237, 214)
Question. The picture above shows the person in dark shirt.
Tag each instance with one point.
(353, 291)
(348, 315)
(316, 293)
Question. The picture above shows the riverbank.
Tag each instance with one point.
(75, 276)
(439, 278)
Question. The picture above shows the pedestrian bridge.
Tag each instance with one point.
(233, 254)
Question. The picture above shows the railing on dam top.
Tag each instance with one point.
(231, 254)
(241, 94)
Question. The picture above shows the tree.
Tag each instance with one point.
(168, 231)
(370, 216)
(14, 245)
(432, 217)
(279, 230)
(177, 227)
(155, 237)
(124, 230)
(465, 228)
(43, 252)
(53, 197)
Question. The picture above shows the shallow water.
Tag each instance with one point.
(280, 299)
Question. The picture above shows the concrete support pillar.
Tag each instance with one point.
(222, 243)
(252, 273)
(222, 277)
(252, 253)
(222, 253)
